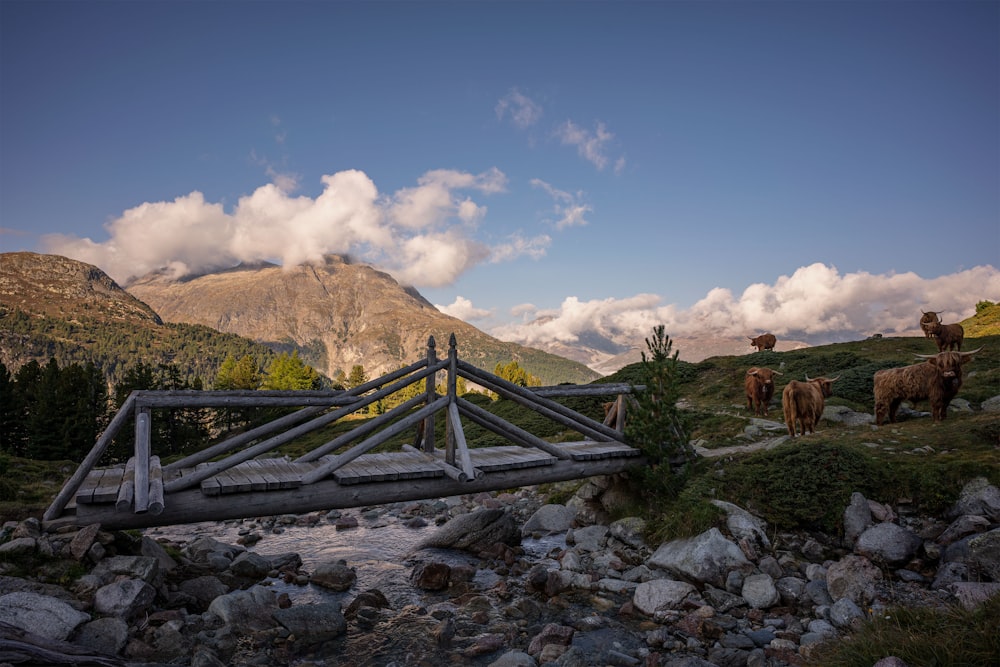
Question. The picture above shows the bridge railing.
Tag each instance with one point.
(143, 488)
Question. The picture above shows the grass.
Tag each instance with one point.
(954, 637)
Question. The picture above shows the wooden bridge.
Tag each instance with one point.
(245, 482)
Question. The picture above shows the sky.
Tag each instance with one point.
(546, 171)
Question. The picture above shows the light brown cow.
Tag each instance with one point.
(936, 380)
(759, 385)
(803, 403)
(763, 342)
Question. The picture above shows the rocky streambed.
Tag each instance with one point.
(501, 580)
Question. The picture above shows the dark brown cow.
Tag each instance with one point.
(803, 403)
(763, 342)
(759, 385)
(936, 380)
(947, 336)
(929, 319)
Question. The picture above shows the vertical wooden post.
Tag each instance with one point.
(449, 448)
(428, 435)
(142, 438)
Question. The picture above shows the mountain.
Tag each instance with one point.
(337, 314)
(606, 356)
(54, 307)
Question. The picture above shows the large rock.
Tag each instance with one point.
(857, 519)
(984, 553)
(40, 614)
(888, 543)
(853, 577)
(660, 595)
(125, 598)
(476, 531)
(246, 610)
(978, 497)
(337, 576)
(745, 526)
(312, 623)
(705, 558)
(549, 519)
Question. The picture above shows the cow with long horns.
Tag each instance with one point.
(937, 380)
(927, 320)
(803, 403)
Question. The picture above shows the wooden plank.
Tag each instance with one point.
(85, 492)
(289, 474)
(586, 450)
(107, 489)
(254, 470)
(492, 459)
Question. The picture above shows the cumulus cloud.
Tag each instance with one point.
(568, 210)
(523, 111)
(816, 304)
(423, 235)
(463, 309)
(591, 146)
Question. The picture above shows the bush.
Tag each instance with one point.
(802, 485)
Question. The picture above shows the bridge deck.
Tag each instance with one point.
(274, 486)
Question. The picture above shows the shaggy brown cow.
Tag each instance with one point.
(803, 403)
(929, 319)
(937, 380)
(759, 385)
(947, 336)
(763, 342)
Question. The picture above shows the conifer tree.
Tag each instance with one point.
(288, 372)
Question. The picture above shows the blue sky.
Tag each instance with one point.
(544, 170)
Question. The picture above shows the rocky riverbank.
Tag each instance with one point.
(596, 595)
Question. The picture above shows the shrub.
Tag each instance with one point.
(802, 485)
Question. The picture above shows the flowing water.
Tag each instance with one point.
(381, 551)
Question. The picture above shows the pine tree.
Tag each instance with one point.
(288, 372)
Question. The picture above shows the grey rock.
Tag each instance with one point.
(984, 553)
(967, 524)
(203, 589)
(978, 497)
(588, 538)
(250, 609)
(628, 530)
(312, 623)
(19, 546)
(549, 519)
(514, 659)
(845, 613)
(125, 598)
(857, 518)
(759, 591)
(250, 565)
(744, 525)
(106, 635)
(705, 558)
(40, 614)
(660, 595)
(475, 531)
(336, 576)
(853, 577)
(888, 543)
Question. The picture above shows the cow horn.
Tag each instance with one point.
(834, 379)
(776, 373)
(808, 379)
(925, 356)
(970, 352)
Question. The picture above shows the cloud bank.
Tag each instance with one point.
(424, 235)
(816, 305)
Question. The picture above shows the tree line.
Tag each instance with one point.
(54, 412)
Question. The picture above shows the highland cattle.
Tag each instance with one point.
(803, 403)
(948, 337)
(927, 320)
(759, 386)
(763, 342)
(937, 380)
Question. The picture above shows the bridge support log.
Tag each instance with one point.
(191, 506)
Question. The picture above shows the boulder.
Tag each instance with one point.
(705, 558)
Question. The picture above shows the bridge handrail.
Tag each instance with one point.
(314, 408)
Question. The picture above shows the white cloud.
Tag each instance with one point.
(591, 146)
(568, 210)
(518, 246)
(522, 110)
(815, 304)
(463, 309)
(422, 234)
